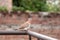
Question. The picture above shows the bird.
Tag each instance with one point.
(26, 25)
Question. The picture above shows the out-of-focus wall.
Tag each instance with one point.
(6, 3)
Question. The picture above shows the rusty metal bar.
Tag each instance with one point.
(40, 36)
(30, 37)
(39, 39)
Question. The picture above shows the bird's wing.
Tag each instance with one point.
(26, 25)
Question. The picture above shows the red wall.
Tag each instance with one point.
(22, 18)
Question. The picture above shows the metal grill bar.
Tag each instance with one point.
(30, 37)
(13, 32)
(30, 33)
(40, 36)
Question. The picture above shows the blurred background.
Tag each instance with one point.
(45, 16)
(37, 5)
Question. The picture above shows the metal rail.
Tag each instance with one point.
(30, 33)
(40, 36)
(13, 32)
